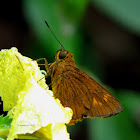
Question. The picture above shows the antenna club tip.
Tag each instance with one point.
(47, 23)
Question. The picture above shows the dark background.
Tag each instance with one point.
(104, 37)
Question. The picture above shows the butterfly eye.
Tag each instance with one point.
(43, 72)
(62, 55)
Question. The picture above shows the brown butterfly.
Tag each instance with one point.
(75, 89)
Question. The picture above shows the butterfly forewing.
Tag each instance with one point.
(85, 96)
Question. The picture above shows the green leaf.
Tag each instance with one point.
(2, 138)
(5, 122)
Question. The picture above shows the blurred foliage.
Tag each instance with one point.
(125, 12)
(65, 19)
(62, 22)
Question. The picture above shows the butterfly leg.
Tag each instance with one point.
(46, 63)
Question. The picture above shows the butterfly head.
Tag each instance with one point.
(64, 55)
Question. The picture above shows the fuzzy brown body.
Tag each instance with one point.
(77, 90)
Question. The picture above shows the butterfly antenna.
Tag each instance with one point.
(54, 35)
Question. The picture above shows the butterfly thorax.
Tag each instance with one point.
(61, 65)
